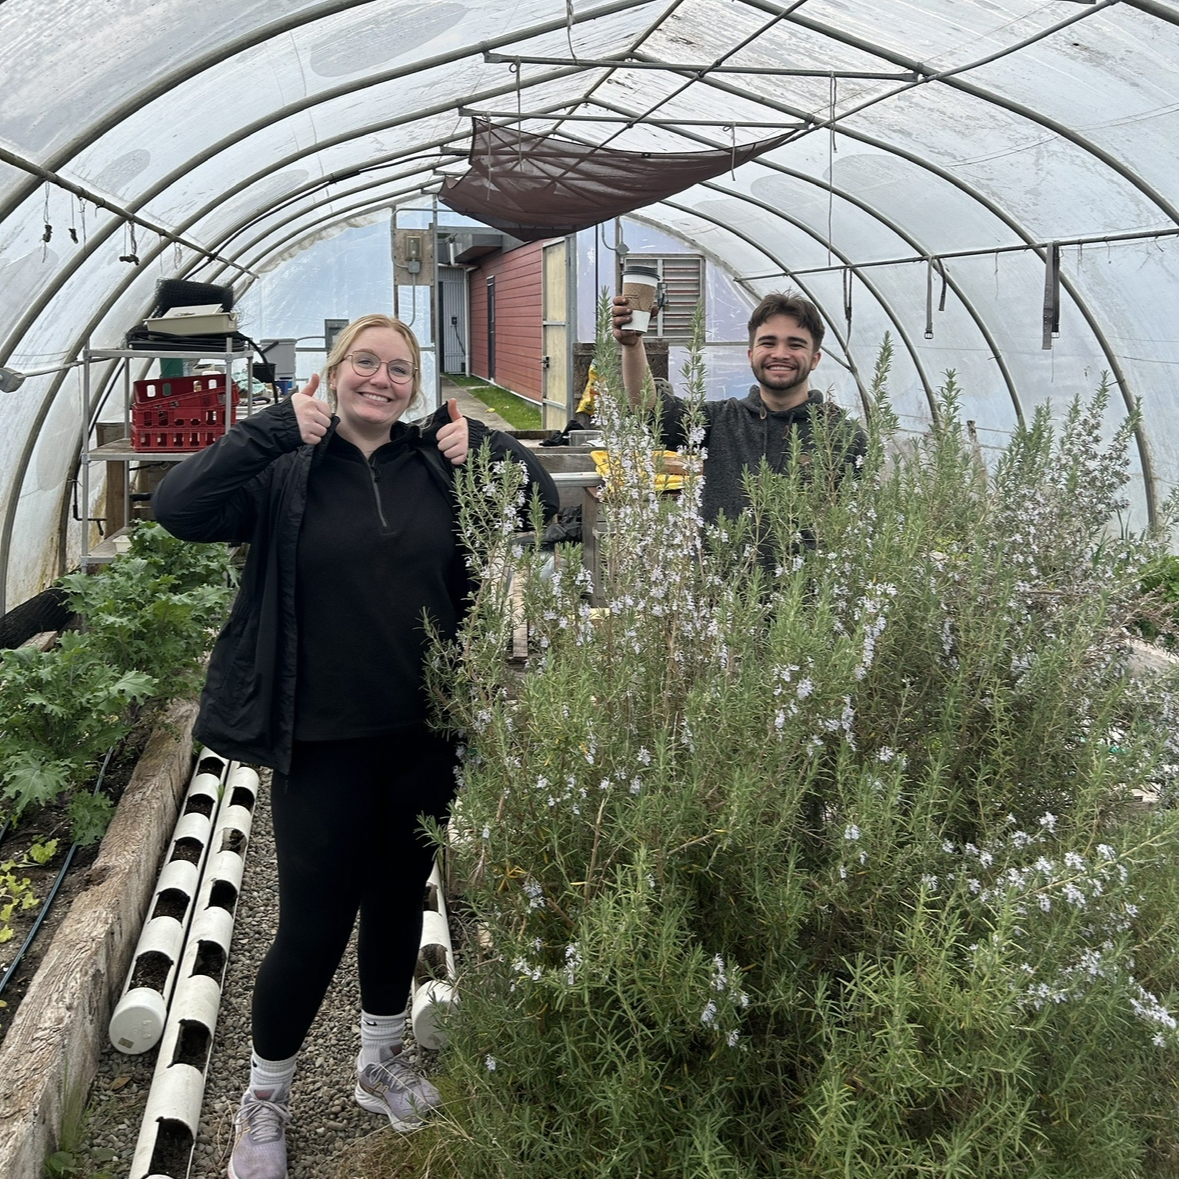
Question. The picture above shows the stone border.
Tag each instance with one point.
(50, 1054)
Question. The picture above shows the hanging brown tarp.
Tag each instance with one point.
(535, 186)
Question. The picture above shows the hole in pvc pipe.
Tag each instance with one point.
(199, 804)
(192, 1045)
(210, 765)
(173, 1148)
(431, 964)
(210, 960)
(242, 797)
(188, 849)
(171, 903)
(233, 840)
(151, 970)
(223, 895)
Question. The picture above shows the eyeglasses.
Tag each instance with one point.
(365, 364)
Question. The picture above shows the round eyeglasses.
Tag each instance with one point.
(365, 364)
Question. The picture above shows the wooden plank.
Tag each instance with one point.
(52, 1047)
(519, 622)
(42, 641)
(121, 450)
(591, 553)
(117, 475)
(1148, 660)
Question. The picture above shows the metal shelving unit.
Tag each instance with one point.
(119, 453)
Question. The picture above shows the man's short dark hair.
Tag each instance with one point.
(788, 303)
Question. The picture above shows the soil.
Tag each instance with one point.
(40, 826)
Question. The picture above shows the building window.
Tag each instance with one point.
(683, 276)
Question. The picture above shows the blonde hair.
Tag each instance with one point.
(347, 337)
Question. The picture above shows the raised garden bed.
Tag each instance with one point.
(51, 1046)
(20, 850)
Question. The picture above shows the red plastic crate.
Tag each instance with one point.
(205, 389)
(176, 425)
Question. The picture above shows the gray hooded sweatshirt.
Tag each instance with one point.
(740, 432)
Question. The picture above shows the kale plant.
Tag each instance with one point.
(158, 608)
(149, 619)
(60, 711)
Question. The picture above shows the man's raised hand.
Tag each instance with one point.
(620, 317)
(313, 415)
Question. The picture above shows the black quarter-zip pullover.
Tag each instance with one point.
(377, 549)
(252, 484)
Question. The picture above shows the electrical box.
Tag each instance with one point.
(331, 329)
(280, 354)
(413, 257)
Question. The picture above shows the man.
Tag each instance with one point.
(785, 334)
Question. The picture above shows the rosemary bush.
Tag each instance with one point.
(816, 852)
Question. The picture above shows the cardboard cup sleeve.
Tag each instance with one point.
(641, 292)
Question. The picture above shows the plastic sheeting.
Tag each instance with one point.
(542, 186)
(220, 141)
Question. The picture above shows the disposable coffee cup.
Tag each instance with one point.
(640, 286)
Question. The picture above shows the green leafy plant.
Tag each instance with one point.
(1159, 619)
(89, 815)
(149, 619)
(61, 1164)
(42, 853)
(16, 895)
(72, 1159)
(157, 608)
(61, 710)
(815, 852)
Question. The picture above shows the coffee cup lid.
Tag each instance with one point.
(640, 272)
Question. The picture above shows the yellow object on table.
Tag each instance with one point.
(669, 468)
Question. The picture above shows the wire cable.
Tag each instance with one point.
(54, 890)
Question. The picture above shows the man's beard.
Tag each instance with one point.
(782, 380)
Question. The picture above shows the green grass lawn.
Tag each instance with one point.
(517, 413)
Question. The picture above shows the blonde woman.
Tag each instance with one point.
(351, 520)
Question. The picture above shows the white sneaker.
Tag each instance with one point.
(394, 1089)
(260, 1148)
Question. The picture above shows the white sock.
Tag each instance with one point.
(380, 1037)
(270, 1080)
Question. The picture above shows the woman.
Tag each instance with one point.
(351, 522)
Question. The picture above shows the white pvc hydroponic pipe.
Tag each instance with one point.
(138, 1019)
(433, 996)
(172, 1116)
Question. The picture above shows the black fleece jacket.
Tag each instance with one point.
(739, 433)
(251, 485)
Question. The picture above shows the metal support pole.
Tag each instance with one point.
(648, 64)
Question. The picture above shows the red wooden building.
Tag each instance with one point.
(507, 337)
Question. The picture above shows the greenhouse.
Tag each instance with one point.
(825, 829)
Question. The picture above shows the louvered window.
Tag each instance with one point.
(683, 275)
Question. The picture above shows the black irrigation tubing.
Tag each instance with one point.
(56, 885)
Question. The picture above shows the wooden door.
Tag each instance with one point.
(491, 328)
(555, 345)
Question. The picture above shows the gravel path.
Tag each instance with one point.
(325, 1118)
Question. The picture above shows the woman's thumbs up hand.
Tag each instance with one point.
(454, 438)
(313, 415)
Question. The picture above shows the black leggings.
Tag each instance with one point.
(348, 840)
